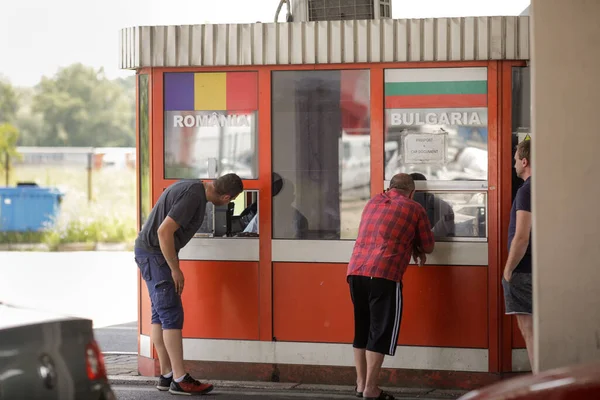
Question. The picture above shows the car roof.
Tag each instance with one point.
(12, 316)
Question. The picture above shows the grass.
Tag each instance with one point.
(110, 217)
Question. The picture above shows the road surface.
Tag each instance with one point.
(118, 338)
(150, 393)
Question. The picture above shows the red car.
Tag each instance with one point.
(581, 382)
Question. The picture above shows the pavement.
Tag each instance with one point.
(122, 338)
(220, 393)
(127, 384)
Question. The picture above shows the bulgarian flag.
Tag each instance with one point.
(436, 88)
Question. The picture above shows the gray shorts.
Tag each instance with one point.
(518, 294)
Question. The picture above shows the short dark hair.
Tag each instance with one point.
(229, 184)
(417, 176)
(524, 150)
(403, 183)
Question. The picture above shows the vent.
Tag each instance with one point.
(332, 10)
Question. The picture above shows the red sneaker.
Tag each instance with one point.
(190, 386)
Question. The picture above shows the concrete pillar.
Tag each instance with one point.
(565, 70)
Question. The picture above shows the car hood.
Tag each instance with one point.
(574, 378)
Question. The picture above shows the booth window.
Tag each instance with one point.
(321, 151)
(521, 115)
(436, 128)
(239, 218)
(144, 150)
(455, 215)
(210, 124)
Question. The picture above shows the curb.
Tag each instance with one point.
(295, 387)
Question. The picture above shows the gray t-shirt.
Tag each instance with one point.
(185, 202)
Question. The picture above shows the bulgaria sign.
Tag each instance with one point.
(455, 118)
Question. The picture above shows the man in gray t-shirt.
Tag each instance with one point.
(175, 218)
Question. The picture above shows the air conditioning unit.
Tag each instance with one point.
(335, 10)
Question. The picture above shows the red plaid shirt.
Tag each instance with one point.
(390, 226)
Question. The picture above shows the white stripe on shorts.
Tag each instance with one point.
(395, 333)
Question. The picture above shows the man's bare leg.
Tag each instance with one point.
(374, 361)
(526, 326)
(360, 360)
(174, 345)
(163, 357)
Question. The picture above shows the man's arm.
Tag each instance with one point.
(519, 244)
(180, 214)
(166, 240)
(426, 241)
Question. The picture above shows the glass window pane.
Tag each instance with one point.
(144, 149)
(321, 150)
(211, 124)
(521, 116)
(436, 123)
(455, 214)
(238, 218)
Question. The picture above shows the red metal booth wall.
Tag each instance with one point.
(445, 306)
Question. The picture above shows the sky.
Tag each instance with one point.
(39, 36)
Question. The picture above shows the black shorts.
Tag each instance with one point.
(377, 313)
(518, 294)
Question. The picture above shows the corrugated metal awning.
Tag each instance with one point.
(326, 42)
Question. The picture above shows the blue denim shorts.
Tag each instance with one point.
(167, 308)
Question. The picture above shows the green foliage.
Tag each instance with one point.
(81, 107)
(90, 230)
(8, 142)
(8, 102)
(30, 124)
(78, 106)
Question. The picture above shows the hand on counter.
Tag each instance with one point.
(420, 259)
(419, 256)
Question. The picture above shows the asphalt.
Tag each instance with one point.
(128, 384)
(118, 338)
(143, 393)
(130, 388)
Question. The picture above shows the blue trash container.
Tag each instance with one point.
(28, 207)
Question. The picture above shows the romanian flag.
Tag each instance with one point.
(211, 91)
(436, 88)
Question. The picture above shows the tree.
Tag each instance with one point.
(8, 102)
(29, 123)
(81, 107)
(8, 146)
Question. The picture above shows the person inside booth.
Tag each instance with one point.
(290, 223)
(439, 212)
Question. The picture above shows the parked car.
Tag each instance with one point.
(575, 382)
(47, 356)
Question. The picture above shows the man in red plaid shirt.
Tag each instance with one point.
(393, 228)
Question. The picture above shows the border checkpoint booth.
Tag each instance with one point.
(333, 109)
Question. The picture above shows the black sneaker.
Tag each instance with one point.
(164, 383)
(190, 386)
